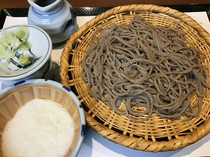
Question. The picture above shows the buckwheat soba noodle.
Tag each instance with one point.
(139, 69)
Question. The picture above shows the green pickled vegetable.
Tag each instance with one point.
(24, 60)
(25, 46)
(22, 33)
(15, 47)
(3, 52)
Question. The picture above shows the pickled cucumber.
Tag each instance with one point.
(22, 33)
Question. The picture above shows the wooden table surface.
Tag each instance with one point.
(105, 3)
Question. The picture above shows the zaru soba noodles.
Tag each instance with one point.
(150, 69)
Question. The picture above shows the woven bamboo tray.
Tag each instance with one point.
(156, 134)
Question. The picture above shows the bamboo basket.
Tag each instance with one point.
(156, 134)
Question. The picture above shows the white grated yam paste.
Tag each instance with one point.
(40, 128)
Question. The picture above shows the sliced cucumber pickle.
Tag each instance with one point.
(15, 47)
(22, 33)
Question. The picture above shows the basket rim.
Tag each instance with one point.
(144, 7)
(147, 145)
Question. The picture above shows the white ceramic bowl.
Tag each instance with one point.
(41, 46)
(15, 96)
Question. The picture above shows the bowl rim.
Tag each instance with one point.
(67, 91)
(25, 74)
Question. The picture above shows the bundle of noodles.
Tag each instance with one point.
(140, 69)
